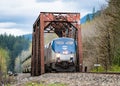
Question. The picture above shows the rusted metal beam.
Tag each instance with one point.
(33, 61)
(42, 25)
(59, 12)
(37, 49)
(80, 54)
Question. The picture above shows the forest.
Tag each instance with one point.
(101, 38)
(10, 47)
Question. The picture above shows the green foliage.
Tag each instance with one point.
(14, 45)
(36, 84)
(7, 85)
(4, 60)
(115, 68)
(98, 69)
(109, 36)
(113, 12)
(33, 84)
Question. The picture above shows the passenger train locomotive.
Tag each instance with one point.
(60, 55)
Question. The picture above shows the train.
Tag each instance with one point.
(59, 56)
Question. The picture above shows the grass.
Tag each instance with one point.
(114, 68)
(40, 84)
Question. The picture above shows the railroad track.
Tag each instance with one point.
(75, 79)
(117, 73)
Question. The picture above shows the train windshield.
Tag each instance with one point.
(64, 44)
(59, 42)
(69, 42)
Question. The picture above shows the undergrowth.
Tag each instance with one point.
(114, 68)
(40, 84)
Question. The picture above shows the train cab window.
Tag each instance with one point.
(69, 42)
(59, 42)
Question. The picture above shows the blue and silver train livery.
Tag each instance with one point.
(60, 55)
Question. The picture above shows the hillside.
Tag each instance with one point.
(89, 17)
(28, 36)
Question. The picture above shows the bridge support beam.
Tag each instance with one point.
(80, 54)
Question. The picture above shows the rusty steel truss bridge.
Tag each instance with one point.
(64, 25)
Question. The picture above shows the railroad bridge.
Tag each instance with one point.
(64, 25)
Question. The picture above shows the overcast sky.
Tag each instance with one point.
(18, 16)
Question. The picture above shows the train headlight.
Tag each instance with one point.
(71, 56)
(57, 55)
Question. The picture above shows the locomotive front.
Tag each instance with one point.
(64, 54)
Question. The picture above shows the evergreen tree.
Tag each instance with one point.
(93, 13)
(113, 12)
(4, 60)
(87, 18)
(14, 45)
